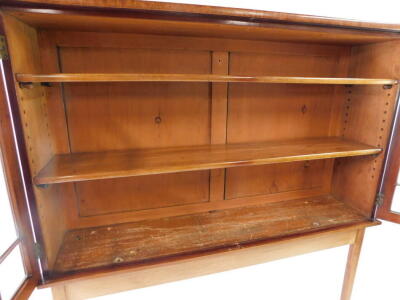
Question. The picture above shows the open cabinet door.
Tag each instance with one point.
(388, 197)
(19, 267)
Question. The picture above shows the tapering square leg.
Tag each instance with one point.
(351, 267)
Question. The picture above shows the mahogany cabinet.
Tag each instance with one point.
(150, 142)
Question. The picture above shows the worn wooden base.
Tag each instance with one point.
(137, 242)
(118, 281)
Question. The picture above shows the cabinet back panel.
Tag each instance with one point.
(141, 115)
(111, 116)
(268, 112)
(141, 193)
(278, 178)
(118, 116)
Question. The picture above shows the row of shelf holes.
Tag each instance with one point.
(27, 128)
(346, 115)
(381, 136)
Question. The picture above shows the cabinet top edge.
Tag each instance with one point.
(177, 10)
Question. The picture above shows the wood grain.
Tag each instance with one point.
(101, 165)
(223, 12)
(175, 83)
(351, 267)
(219, 104)
(85, 285)
(125, 77)
(368, 115)
(122, 116)
(271, 112)
(193, 24)
(135, 242)
(132, 108)
(15, 171)
(23, 44)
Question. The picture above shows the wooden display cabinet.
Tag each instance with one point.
(149, 142)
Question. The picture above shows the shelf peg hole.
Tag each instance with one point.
(157, 120)
(42, 186)
(118, 259)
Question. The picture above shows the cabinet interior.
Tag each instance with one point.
(131, 166)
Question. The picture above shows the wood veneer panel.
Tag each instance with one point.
(101, 165)
(125, 77)
(144, 193)
(121, 115)
(270, 112)
(135, 242)
(276, 178)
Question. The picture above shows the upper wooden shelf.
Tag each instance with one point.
(126, 77)
(103, 165)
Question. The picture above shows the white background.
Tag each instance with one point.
(313, 276)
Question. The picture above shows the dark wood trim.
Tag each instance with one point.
(26, 289)
(17, 171)
(390, 171)
(192, 13)
(4, 255)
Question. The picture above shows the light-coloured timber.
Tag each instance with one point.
(127, 77)
(101, 165)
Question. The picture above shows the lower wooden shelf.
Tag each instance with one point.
(138, 242)
(102, 165)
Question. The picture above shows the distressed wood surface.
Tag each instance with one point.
(101, 165)
(139, 241)
(121, 77)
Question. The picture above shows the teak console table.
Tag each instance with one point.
(149, 142)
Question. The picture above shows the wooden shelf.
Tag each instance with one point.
(189, 234)
(122, 77)
(103, 165)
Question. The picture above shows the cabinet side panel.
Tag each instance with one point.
(23, 46)
(367, 118)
